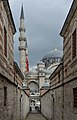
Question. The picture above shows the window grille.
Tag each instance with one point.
(75, 97)
(5, 96)
(5, 42)
(74, 44)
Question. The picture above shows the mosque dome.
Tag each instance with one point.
(54, 56)
(54, 53)
(32, 72)
(46, 71)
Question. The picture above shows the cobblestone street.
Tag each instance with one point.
(35, 116)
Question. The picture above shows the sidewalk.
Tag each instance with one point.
(35, 116)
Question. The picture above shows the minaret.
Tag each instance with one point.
(22, 43)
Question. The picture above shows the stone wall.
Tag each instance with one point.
(46, 105)
(70, 25)
(17, 101)
(70, 112)
(58, 103)
(6, 24)
(14, 101)
(51, 104)
(25, 105)
(63, 80)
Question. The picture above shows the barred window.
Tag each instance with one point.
(59, 76)
(74, 44)
(5, 96)
(75, 97)
(5, 42)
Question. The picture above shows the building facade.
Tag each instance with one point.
(38, 78)
(69, 34)
(63, 81)
(40, 74)
(12, 96)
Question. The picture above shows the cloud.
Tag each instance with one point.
(43, 21)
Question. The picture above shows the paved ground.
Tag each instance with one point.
(35, 116)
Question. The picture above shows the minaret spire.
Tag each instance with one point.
(23, 44)
(22, 13)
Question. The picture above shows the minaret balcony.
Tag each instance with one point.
(22, 29)
(22, 39)
(22, 48)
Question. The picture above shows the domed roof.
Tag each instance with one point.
(54, 53)
(32, 72)
(41, 63)
(47, 72)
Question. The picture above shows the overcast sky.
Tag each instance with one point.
(43, 22)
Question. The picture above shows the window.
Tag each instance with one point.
(74, 44)
(5, 42)
(75, 97)
(42, 74)
(59, 76)
(65, 71)
(5, 96)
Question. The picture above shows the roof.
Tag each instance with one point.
(40, 63)
(56, 71)
(9, 14)
(17, 69)
(53, 54)
(45, 71)
(32, 72)
(69, 17)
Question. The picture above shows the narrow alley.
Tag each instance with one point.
(38, 86)
(35, 116)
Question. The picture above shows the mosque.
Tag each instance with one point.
(38, 77)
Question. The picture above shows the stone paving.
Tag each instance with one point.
(35, 116)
